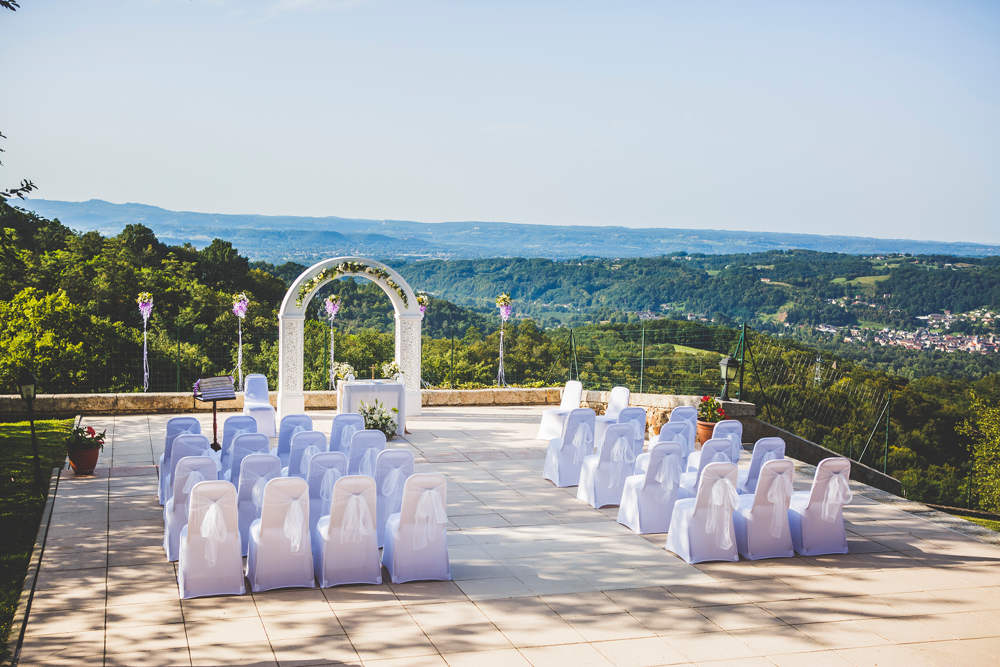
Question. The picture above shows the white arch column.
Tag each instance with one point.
(291, 342)
(408, 357)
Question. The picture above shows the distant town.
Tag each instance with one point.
(935, 336)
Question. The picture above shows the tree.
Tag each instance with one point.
(983, 428)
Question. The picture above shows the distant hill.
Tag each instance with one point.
(307, 239)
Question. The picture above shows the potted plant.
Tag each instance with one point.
(84, 445)
(378, 418)
(390, 370)
(710, 413)
(343, 371)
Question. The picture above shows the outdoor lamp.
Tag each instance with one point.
(728, 367)
(26, 385)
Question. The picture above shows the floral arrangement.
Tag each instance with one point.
(710, 410)
(505, 305)
(84, 438)
(240, 305)
(331, 305)
(346, 268)
(423, 301)
(378, 418)
(390, 369)
(342, 371)
(145, 301)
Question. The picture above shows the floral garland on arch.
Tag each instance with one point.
(145, 301)
(422, 302)
(506, 307)
(240, 305)
(333, 272)
(331, 305)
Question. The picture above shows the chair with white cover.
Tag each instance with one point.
(361, 453)
(618, 400)
(761, 519)
(678, 431)
(392, 468)
(345, 544)
(324, 470)
(175, 427)
(764, 450)
(189, 471)
(416, 538)
(564, 455)
(637, 418)
(280, 553)
(816, 516)
(648, 498)
(257, 404)
(185, 444)
(686, 412)
(713, 451)
(210, 562)
(256, 470)
(343, 429)
(290, 425)
(732, 429)
(244, 445)
(701, 528)
(602, 475)
(232, 427)
(305, 445)
(553, 419)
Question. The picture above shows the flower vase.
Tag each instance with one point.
(84, 461)
(704, 432)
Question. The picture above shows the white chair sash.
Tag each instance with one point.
(213, 531)
(367, 466)
(668, 476)
(621, 454)
(193, 478)
(330, 477)
(216, 456)
(259, 482)
(294, 525)
(311, 451)
(778, 495)
(720, 457)
(346, 435)
(583, 442)
(357, 521)
(838, 494)
(430, 518)
(392, 482)
(722, 503)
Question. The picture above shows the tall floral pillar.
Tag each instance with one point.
(408, 357)
(291, 397)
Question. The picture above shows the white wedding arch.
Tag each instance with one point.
(291, 326)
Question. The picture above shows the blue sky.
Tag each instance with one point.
(868, 118)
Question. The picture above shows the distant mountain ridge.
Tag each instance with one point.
(307, 239)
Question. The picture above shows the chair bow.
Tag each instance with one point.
(213, 531)
(310, 451)
(838, 494)
(392, 482)
(429, 517)
(367, 466)
(720, 457)
(621, 454)
(346, 435)
(778, 495)
(294, 525)
(583, 442)
(259, 482)
(668, 475)
(330, 477)
(357, 522)
(722, 502)
(193, 478)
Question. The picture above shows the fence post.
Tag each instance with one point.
(576, 364)
(642, 356)
(177, 358)
(451, 381)
(741, 349)
(888, 418)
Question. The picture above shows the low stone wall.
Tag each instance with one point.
(658, 406)
(173, 403)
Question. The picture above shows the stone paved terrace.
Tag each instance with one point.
(540, 578)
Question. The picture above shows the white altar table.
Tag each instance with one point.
(350, 395)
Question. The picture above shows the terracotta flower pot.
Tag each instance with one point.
(704, 432)
(84, 460)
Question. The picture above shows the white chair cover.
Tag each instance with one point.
(290, 425)
(256, 470)
(687, 413)
(305, 444)
(564, 455)
(244, 445)
(617, 401)
(602, 475)
(678, 431)
(392, 468)
(343, 429)
(713, 451)
(701, 528)
(324, 470)
(764, 450)
(648, 498)
(553, 419)
(345, 544)
(364, 448)
(733, 430)
(257, 404)
(761, 520)
(233, 426)
(416, 538)
(637, 418)
(210, 562)
(185, 444)
(190, 470)
(280, 553)
(175, 426)
(816, 516)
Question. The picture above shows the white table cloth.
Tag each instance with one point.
(350, 396)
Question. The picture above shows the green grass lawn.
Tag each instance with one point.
(20, 505)
(988, 523)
